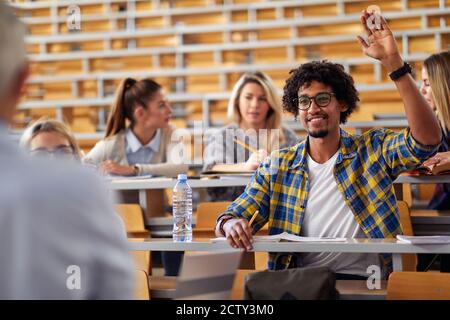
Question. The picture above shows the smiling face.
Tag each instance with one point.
(319, 122)
(253, 106)
(425, 89)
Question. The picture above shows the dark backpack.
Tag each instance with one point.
(311, 283)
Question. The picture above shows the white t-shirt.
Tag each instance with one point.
(327, 215)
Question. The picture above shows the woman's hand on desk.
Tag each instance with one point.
(112, 167)
(255, 159)
(238, 233)
(438, 159)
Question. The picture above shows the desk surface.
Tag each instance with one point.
(351, 245)
(164, 183)
(430, 222)
(424, 179)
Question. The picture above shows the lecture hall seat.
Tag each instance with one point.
(133, 219)
(418, 286)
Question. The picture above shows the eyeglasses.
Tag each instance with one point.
(322, 99)
(61, 152)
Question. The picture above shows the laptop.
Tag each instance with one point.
(207, 276)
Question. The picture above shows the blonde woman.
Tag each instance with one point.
(50, 137)
(436, 90)
(255, 107)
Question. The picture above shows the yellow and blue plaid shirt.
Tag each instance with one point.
(364, 171)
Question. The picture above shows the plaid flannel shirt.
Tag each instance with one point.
(364, 171)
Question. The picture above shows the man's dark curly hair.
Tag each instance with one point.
(328, 73)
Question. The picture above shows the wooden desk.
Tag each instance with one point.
(424, 179)
(350, 246)
(168, 183)
(430, 222)
(163, 183)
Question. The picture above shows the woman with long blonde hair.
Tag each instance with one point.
(436, 90)
(256, 110)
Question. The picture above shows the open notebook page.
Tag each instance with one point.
(287, 237)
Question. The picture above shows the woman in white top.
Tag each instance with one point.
(138, 134)
(138, 142)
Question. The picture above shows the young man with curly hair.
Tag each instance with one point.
(335, 184)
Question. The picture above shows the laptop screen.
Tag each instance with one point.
(207, 276)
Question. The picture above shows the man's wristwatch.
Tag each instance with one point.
(136, 170)
(400, 72)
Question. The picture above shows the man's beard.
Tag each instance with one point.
(318, 134)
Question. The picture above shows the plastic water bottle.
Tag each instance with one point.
(182, 210)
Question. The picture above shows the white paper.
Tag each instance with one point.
(424, 239)
(142, 177)
(287, 237)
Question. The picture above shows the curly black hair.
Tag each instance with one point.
(328, 73)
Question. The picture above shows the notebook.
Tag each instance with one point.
(207, 276)
(424, 239)
(287, 237)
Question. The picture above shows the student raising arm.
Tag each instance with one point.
(335, 184)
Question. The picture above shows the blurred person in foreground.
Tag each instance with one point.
(59, 235)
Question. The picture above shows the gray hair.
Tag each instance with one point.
(12, 51)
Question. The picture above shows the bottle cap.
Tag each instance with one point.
(182, 177)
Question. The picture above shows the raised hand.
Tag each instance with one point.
(382, 45)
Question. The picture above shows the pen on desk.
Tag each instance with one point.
(245, 145)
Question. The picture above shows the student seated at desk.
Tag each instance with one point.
(50, 137)
(335, 184)
(436, 90)
(138, 139)
(142, 147)
(256, 109)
